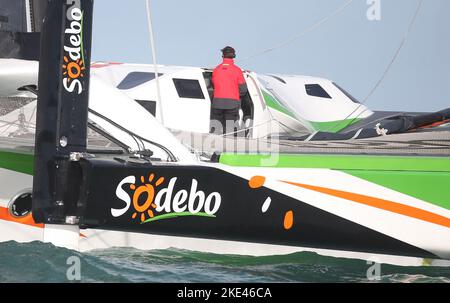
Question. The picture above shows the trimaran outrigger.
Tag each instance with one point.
(129, 181)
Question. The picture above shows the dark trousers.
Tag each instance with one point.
(228, 118)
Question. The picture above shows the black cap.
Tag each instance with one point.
(228, 52)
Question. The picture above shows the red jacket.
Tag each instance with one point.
(226, 79)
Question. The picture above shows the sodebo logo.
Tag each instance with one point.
(74, 58)
(151, 201)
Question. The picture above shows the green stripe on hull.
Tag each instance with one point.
(329, 126)
(425, 178)
(333, 126)
(427, 186)
(342, 162)
(18, 162)
(275, 104)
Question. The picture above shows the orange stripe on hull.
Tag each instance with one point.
(28, 220)
(391, 206)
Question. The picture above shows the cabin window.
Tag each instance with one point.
(188, 88)
(134, 79)
(149, 106)
(316, 90)
(347, 94)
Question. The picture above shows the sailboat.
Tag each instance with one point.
(92, 158)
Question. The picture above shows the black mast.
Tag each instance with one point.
(38, 9)
(62, 108)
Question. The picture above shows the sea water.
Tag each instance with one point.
(39, 262)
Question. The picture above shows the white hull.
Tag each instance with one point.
(93, 239)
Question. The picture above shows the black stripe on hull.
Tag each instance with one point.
(240, 216)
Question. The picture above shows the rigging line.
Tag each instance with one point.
(132, 134)
(245, 129)
(140, 148)
(210, 135)
(32, 113)
(9, 126)
(155, 65)
(15, 122)
(270, 141)
(405, 37)
(274, 141)
(8, 123)
(287, 127)
(391, 63)
(306, 31)
(109, 137)
(266, 136)
(272, 118)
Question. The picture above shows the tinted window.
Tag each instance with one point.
(347, 93)
(134, 79)
(150, 106)
(316, 90)
(188, 88)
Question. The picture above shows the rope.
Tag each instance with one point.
(155, 65)
(391, 63)
(248, 128)
(306, 31)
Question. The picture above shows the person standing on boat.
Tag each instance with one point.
(229, 85)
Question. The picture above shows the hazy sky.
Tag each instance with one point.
(348, 49)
